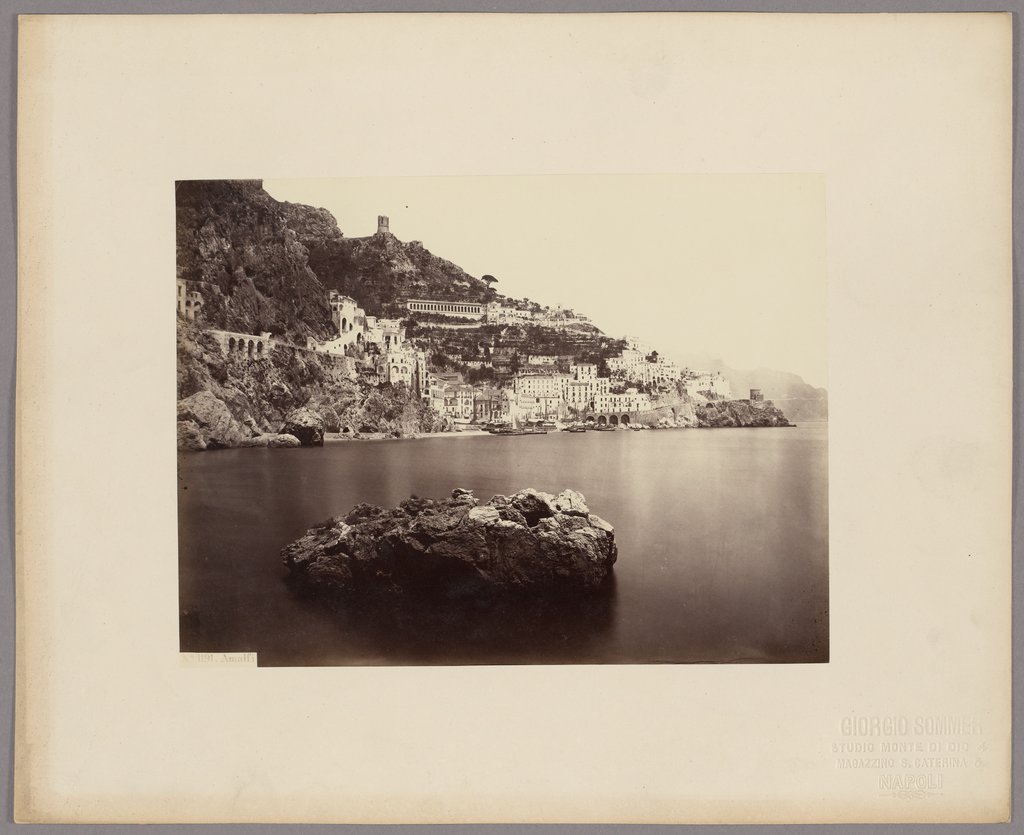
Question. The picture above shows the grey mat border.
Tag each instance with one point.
(10, 9)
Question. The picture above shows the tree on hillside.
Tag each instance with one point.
(490, 279)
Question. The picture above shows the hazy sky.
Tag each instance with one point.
(727, 265)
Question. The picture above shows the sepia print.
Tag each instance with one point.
(782, 637)
(517, 450)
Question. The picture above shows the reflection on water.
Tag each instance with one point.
(722, 535)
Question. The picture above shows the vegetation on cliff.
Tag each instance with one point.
(254, 274)
(227, 400)
(382, 273)
(267, 265)
(510, 347)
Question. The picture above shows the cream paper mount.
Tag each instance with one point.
(907, 118)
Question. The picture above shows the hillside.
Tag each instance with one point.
(265, 265)
(255, 275)
(272, 262)
(509, 347)
(382, 273)
(226, 401)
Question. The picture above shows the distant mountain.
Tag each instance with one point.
(799, 400)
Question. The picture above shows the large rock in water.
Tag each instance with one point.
(284, 441)
(457, 548)
(306, 425)
(204, 422)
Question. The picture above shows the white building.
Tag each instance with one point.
(630, 402)
(405, 365)
(497, 313)
(640, 366)
(190, 302)
(540, 385)
(464, 310)
(705, 384)
(349, 318)
(458, 401)
(583, 372)
(386, 334)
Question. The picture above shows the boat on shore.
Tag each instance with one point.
(521, 432)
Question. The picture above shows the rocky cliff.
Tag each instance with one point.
(456, 548)
(226, 401)
(382, 272)
(267, 265)
(723, 413)
(255, 276)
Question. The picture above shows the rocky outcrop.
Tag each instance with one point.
(204, 422)
(669, 412)
(259, 395)
(724, 413)
(190, 436)
(305, 425)
(456, 548)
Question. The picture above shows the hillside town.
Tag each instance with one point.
(542, 389)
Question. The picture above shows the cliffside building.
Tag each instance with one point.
(405, 365)
(708, 385)
(497, 313)
(349, 318)
(190, 302)
(465, 310)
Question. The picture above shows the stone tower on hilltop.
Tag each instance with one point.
(382, 225)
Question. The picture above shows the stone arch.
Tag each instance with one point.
(231, 344)
(359, 337)
(259, 348)
(624, 420)
(252, 348)
(394, 369)
(613, 420)
(602, 420)
(344, 324)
